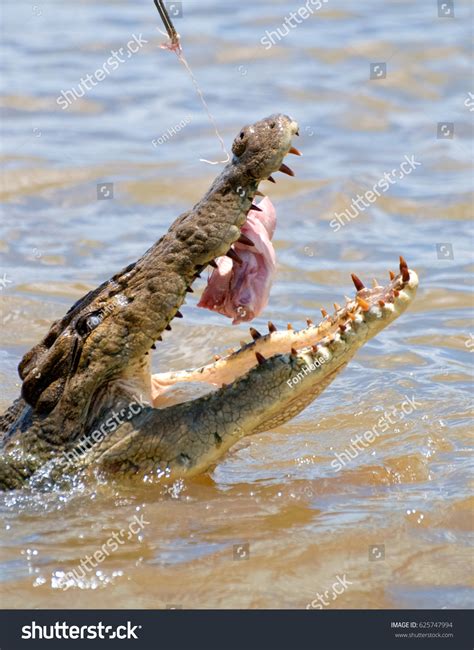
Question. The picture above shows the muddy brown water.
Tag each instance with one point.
(278, 520)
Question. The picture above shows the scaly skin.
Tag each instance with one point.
(94, 362)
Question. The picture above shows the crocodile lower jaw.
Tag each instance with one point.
(361, 318)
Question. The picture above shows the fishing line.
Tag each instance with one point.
(174, 45)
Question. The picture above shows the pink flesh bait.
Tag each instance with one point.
(240, 291)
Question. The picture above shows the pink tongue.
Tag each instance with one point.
(241, 291)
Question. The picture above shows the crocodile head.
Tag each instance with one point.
(79, 409)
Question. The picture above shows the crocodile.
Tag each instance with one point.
(78, 413)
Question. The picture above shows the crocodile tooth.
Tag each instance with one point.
(342, 327)
(271, 327)
(189, 289)
(243, 344)
(396, 293)
(234, 256)
(153, 346)
(255, 207)
(168, 327)
(178, 314)
(381, 303)
(295, 151)
(404, 269)
(271, 179)
(213, 264)
(314, 348)
(324, 312)
(351, 315)
(216, 357)
(294, 352)
(359, 285)
(289, 326)
(258, 193)
(243, 239)
(309, 322)
(337, 306)
(392, 275)
(255, 334)
(363, 303)
(160, 338)
(286, 170)
(375, 284)
(260, 358)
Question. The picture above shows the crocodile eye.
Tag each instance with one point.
(272, 125)
(93, 321)
(88, 322)
(242, 134)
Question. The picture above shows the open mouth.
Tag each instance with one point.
(360, 318)
(239, 288)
